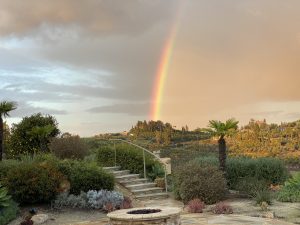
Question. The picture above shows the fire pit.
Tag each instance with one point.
(146, 216)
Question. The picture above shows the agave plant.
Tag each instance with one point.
(4, 197)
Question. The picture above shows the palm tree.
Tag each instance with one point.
(5, 108)
(221, 130)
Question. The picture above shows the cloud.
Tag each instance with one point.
(26, 109)
(91, 16)
(133, 109)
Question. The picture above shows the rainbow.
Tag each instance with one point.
(163, 68)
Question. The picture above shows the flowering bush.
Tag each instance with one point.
(195, 206)
(222, 208)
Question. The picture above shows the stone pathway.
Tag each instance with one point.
(245, 213)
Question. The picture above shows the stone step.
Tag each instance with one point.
(161, 195)
(134, 181)
(146, 191)
(140, 186)
(120, 172)
(112, 168)
(127, 177)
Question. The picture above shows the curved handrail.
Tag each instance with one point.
(149, 152)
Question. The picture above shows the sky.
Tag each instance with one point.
(93, 64)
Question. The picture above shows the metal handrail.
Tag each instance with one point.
(144, 158)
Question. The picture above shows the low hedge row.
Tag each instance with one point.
(128, 158)
(40, 179)
(271, 170)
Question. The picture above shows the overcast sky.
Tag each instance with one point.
(92, 63)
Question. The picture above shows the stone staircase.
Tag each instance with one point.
(141, 188)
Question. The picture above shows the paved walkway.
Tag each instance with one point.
(207, 218)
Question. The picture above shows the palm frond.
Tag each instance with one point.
(6, 107)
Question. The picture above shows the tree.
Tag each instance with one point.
(32, 133)
(5, 108)
(42, 134)
(221, 130)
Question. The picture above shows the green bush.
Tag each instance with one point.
(33, 182)
(195, 181)
(82, 175)
(22, 140)
(290, 192)
(87, 176)
(251, 186)
(8, 213)
(71, 147)
(5, 167)
(270, 170)
(128, 157)
(263, 196)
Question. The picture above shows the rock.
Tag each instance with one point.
(269, 215)
(40, 218)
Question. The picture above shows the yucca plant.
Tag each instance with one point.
(4, 197)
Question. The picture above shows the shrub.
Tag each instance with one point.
(88, 176)
(5, 167)
(4, 197)
(160, 182)
(33, 182)
(83, 176)
(263, 196)
(128, 157)
(71, 201)
(8, 213)
(251, 185)
(195, 206)
(127, 203)
(290, 192)
(194, 181)
(69, 147)
(23, 142)
(222, 208)
(90, 200)
(271, 170)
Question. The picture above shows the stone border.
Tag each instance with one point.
(166, 212)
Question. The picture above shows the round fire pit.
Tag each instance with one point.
(146, 216)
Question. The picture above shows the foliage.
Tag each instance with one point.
(33, 182)
(127, 203)
(194, 181)
(260, 139)
(195, 206)
(4, 197)
(88, 176)
(222, 208)
(290, 192)
(128, 157)
(69, 147)
(5, 167)
(71, 201)
(220, 129)
(90, 200)
(23, 142)
(98, 199)
(262, 171)
(251, 186)
(8, 213)
(272, 170)
(160, 182)
(263, 196)
(5, 108)
(157, 171)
